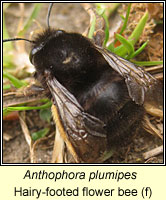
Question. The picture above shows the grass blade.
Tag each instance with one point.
(129, 47)
(34, 14)
(133, 38)
(16, 82)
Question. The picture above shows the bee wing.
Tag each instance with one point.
(138, 82)
(83, 134)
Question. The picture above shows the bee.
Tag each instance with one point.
(97, 96)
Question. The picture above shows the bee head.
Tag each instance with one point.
(63, 54)
(59, 51)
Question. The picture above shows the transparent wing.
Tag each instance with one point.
(141, 85)
(83, 134)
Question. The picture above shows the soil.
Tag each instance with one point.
(70, 17)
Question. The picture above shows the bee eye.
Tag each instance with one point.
(31, 56)
(34, 51)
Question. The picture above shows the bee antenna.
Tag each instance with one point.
(16, 39)
(48, 15)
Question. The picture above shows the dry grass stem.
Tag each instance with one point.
(153, 152)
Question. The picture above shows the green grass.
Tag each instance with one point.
(8, 64)
(15, 81)
(126, 49)
(28, 23)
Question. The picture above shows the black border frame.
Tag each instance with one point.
(77, 164)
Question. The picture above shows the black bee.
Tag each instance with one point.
(97, 96)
